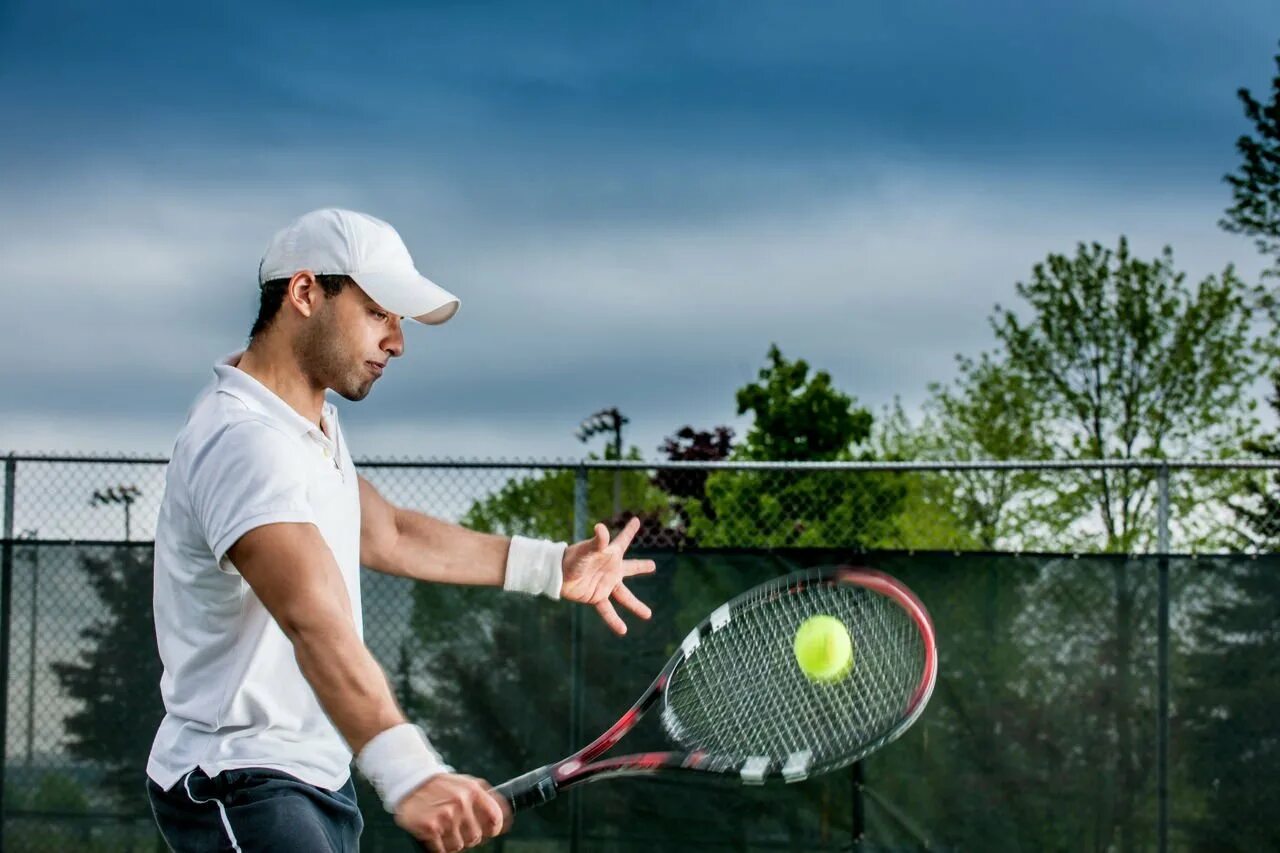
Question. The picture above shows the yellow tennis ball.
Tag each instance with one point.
(824, 649)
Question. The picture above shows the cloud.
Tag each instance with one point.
(126, 291)
(631, 206)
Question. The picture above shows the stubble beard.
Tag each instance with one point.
(326, 362)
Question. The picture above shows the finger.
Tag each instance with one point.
(602, 537)
(491, 812)
(628, 533)
(469, 827)
(631, 568)
(611, 617)
(452, 838)
(628, 599)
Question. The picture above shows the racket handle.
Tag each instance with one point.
(532, 789)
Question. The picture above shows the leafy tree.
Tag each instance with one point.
(797, 416)
(116, 677)
(1118, 359)
(51, 804)
(1255, 186)
(541, 504)
(988, 414)
(1227, 716)
(1128, 362)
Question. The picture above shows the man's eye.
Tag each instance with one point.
(380, 315)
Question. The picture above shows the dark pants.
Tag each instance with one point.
(255, 810)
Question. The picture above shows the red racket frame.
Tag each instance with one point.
(542, 785)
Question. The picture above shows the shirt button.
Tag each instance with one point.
(326, 453)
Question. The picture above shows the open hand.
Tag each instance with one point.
(595, 571)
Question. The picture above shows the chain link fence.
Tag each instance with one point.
(1015, 507)
(1093, 634)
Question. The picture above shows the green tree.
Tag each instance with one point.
(54, 809)
(1226, 723)
(988, 414)
(1255, 185)
(541, 504)
(798, 416)
(1227, 718)
(1118, 359)
(58, 792)
(1128, 362)
(116, 677)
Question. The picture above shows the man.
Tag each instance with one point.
(268, 687)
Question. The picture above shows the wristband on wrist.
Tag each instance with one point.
(534, 566)
(398, 760)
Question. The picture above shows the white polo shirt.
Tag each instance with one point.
(233, 694)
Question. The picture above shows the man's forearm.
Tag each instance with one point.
(393, 755)
(429, 549)
(351, 687)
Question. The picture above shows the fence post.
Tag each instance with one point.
(6, 595)
(575, 663)
(1162, 663)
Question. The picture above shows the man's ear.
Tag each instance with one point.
(304, 292)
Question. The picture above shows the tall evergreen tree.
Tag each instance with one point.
(1255, 185)
(116, 677)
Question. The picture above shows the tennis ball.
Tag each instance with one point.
(824, 649)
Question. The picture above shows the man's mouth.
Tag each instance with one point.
(376, 366)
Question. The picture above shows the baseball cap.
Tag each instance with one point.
(332, 241)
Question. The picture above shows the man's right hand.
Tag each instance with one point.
(452, 812)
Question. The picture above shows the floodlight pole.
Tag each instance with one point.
(611, 421)
(33, 552)
(125, 495)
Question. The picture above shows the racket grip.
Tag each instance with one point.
(532, 789)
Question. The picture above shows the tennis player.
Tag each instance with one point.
(268, 687)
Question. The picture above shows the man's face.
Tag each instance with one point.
(348, 341)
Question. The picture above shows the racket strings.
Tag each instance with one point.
(741, 693)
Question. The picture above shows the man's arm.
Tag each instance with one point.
(292, 571)
(410, 544)
(413, 545)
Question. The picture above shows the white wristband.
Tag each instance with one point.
(534, 566)
(397, 761)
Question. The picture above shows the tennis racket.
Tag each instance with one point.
(735, 701)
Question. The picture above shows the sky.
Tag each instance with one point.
(633, 201)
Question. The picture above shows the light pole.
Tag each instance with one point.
(607, 420)
(33, 553)
(117, 495)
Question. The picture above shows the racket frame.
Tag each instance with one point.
(543, 784)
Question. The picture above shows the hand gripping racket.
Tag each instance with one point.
(736, 702)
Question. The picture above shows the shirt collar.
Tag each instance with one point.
(261, 399)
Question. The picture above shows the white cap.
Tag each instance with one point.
(342, 242)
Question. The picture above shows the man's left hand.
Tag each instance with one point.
(595, 571)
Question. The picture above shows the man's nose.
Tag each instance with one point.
(394, 344)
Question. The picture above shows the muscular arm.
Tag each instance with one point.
(294, 574)
(413, 545)
(292, 571)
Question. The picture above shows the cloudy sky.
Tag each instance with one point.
(633, 200)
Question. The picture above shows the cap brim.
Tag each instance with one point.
(409, 295)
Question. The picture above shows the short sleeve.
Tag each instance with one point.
(246, 475)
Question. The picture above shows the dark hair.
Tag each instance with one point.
(271, 295)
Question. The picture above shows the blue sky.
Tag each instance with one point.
(632, 200)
